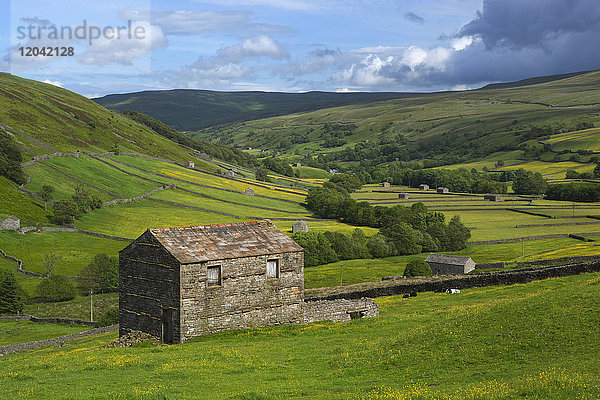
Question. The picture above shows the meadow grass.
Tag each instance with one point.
(27, 283)
(199, 177)
(537, 340)
(68, 122)
(182, 197)
(75, 250)
(131, 219)
(372, 270)
(14, 332)
(64, 187)
(99, 174)
(13, 202)
(78, 308)
(310, 172)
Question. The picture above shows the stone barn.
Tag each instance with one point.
(296, 165)
(300, 226)
(177, 283)
(492, 197)
(230, 174)
(249, 192)
(443, 190)
(423, 187)
(442, 264)
(189, 164)
(404, 196)
(11, 223)
(385, 184)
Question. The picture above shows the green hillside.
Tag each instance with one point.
(43, 119)
(448, 128)
(537, 341)
(190, 110)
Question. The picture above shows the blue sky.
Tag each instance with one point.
(301, 45)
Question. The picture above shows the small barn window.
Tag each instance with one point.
(213, 275)
(272, 268)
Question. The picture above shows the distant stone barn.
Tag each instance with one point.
(492, 197)
(423, 186)
(443, 190)
(403, 196)
(177, 283)
(443, 264)
(300, 226)
(385, 184)
(249, 192)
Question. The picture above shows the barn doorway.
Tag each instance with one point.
(167, 325)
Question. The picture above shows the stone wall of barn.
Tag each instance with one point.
(450, 269)
(148, 289)
(246, 298)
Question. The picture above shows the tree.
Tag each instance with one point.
(597, 171)
(55, 288)
(85, 200)
(11, 295)
(101, 274)
(378, 246)
(50, 259)
(404, 238)
(527, 182)
(65, 212)
(317, 249)
(417, 268)
(46, 194)
(458, 234)
(261, 174)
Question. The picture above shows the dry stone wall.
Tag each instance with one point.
(339, 310)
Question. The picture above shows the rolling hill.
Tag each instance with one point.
(454, 127)
(190, 110)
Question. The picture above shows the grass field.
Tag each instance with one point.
(64, 187)
(105, 177)
(75, 250)
(13, 332)
(12, 202)
(372, 270)
(538, 341)
(199, 177)
(78, 308)
(66, 121)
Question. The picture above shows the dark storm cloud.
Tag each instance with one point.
(511, 40)
(533, 23)
(412, 17)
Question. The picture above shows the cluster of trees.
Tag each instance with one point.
(528, 182)
(101, 275)
(578, 191)
(218, 151)
(402, 230)
(10, 160)
(66, 211)
(278, 166)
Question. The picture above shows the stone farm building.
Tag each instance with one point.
(300, 226)
(177, 283)
(385, 184)
(249, 192)
(404, 196)
(443, 190)
(423, 187)
(492, 197)
(442, 264)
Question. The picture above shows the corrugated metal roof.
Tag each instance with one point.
(447, 259)
(194, 244)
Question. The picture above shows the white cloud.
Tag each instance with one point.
(460, 43)
(125, 49)
(261, 46)
(55, 83)
(286, 4)
(188, 22)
